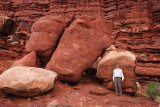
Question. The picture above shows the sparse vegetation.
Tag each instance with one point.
(153, 89)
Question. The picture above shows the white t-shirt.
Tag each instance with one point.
(117, 72)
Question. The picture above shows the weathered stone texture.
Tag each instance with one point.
(82, 42)
(46, 32)
(30, 60)
(127, 62)
(27, 81)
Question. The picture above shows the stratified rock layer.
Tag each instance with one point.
(126, 61)
(27, 81)
(79, 47)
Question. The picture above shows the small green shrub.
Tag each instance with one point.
(153, 89)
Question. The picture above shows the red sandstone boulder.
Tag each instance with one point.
(6, 25)
(126, 60)
(27, 81)
(46, 33)
(30, 60)
(51, 24)
(43, 43)
(80, 46)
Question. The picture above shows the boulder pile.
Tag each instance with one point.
(67, 51)
(81, 44)
(45, 35)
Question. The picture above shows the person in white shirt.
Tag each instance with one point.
(118, 77)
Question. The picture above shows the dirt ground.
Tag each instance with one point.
(89, 92)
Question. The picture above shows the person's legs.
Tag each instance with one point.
(120, 85)
(116, 85)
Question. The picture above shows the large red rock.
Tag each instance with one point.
(27, 81)
(126, 60)
(30, 60)
(45, 35)
(52, 24)
(43, 43)
(81, 44)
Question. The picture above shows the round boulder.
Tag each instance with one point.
(27, 81)
(126, 60)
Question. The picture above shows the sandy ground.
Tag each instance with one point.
(84, 94)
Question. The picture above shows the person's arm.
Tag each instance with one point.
(113, 75)
(122, 76)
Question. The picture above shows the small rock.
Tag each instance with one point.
(98, 106)
(106, 101)
(30, 60)
(99, 91)
(157, 99)
(53, 103)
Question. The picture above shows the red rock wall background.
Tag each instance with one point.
(137, 23)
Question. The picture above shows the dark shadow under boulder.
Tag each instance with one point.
(7, 25)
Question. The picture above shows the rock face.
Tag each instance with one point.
(27, 81)
(6, 25)
(52, 24)
(43, 43)
(79, 47)
(30, 60)
(45, 35)
(126, 61)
